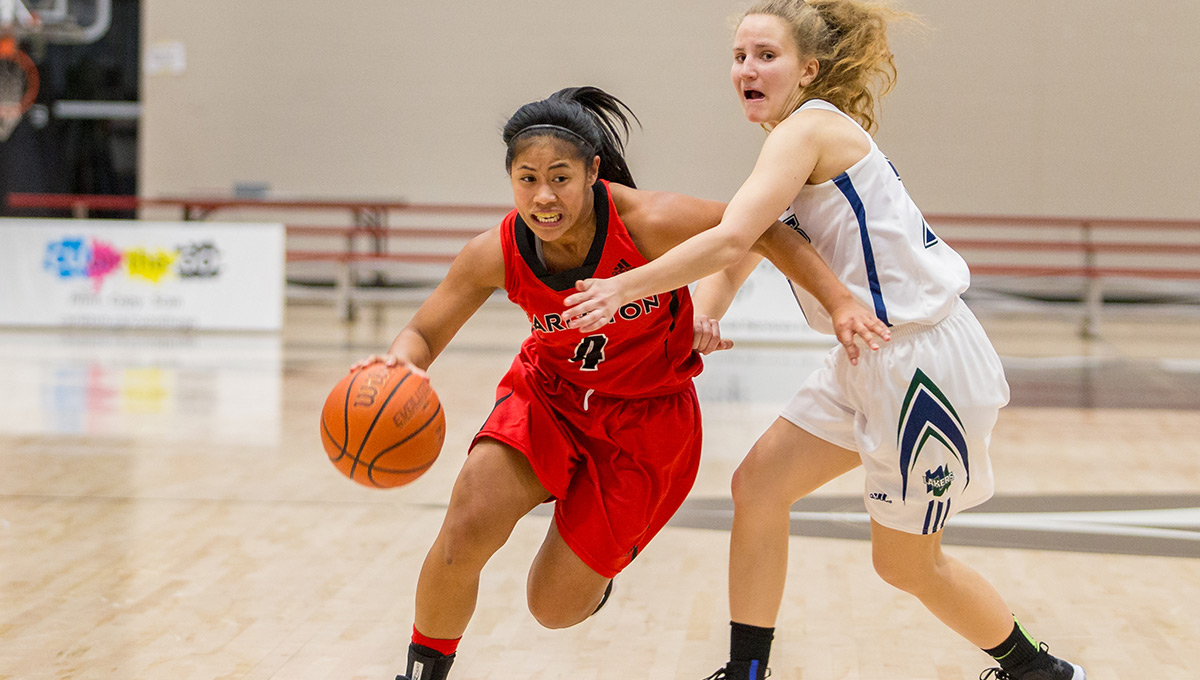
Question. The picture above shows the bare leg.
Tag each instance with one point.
(495, 488)
(785, 464)
(562, 589)
(955, 593)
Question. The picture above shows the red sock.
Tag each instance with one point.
(446, 647)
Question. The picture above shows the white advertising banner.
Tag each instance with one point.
(136, 274)
(766, 310)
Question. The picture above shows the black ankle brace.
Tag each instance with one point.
(426, 664)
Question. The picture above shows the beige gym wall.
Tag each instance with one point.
(1067, 107)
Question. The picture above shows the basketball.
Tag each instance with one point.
(383, 427)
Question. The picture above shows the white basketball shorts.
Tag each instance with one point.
(920, 412)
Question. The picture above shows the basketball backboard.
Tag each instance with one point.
(26, 26)
(68, 22)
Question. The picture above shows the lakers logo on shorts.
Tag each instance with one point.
(927, 418)
(939, 480)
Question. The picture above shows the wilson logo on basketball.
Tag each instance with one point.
(414, 402)
(365, 396)
(355, 432)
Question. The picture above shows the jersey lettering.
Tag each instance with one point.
(630, 311)
(553, 323)
(928, 236)
(893, 166)
(791, 221)
(590, 352)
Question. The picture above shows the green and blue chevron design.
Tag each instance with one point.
(927, 414)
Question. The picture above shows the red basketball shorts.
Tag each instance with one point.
(617, 468)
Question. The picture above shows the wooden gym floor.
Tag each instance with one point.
(166, 512)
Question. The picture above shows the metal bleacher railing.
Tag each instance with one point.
(367, 256)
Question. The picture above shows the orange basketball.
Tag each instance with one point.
(383, 427)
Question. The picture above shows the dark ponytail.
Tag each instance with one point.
(593, 121)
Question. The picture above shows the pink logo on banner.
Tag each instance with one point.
(105, 260)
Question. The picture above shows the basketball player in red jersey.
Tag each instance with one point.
(605, 424)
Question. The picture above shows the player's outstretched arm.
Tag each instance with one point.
(659, 221)
(787, 159)
(477, 271)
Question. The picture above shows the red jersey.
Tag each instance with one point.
(646, 350)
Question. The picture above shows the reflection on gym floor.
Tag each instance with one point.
(190, 386)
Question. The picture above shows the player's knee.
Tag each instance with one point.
(755, 484)
(470, 534)
(551, 612)
(742, 485)
(910, 575)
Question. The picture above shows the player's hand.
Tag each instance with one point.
(854, 323)
(594, 305)
(707, 338)
(391, 361)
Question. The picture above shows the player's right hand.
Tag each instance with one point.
(854, 323)
(391, 361)
(707, 336)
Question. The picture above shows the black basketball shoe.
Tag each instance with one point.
(426, 664)
(1042, 667)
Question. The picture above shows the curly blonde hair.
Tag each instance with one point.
(849, 40)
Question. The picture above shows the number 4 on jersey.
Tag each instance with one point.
(590, 352)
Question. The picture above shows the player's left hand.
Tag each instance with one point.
(707, 337)
(854, 323)
(594, 305)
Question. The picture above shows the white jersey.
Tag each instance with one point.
(874, 238)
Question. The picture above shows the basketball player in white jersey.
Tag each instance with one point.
(919, 413)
